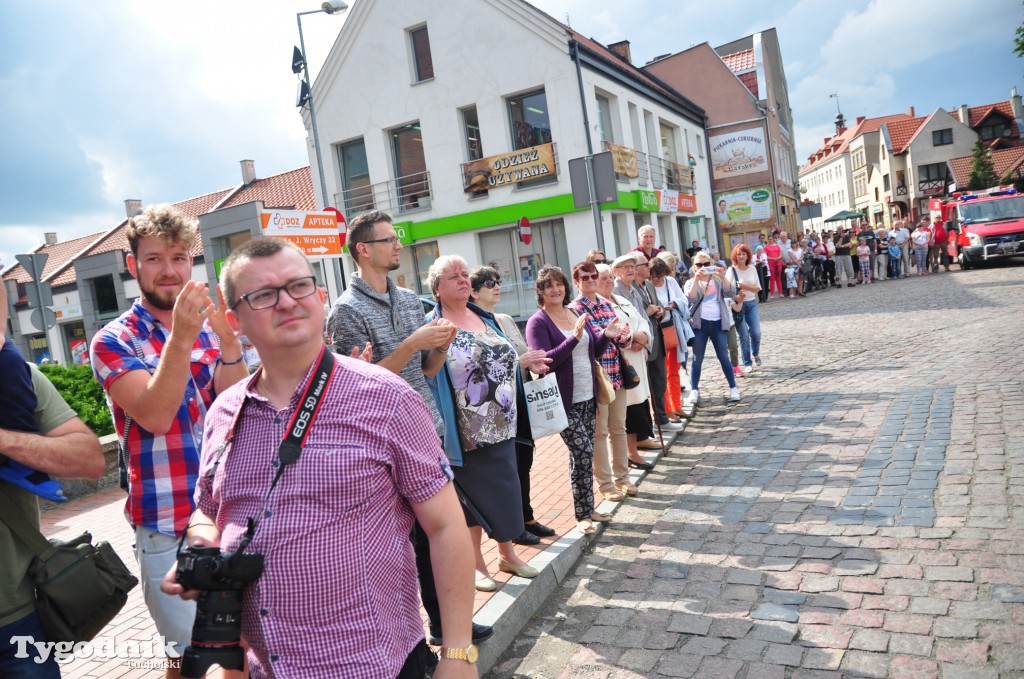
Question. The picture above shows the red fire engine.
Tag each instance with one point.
(990, 224)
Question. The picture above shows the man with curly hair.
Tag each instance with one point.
(161, 363)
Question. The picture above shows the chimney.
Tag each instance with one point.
(132, 207)
(911, 111)
(860, 119)
(1015, 106)
(621, 48)
(248, 172)
(964, 115)
(50, 237)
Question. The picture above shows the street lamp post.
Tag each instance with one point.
(305, 96)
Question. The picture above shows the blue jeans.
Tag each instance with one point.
(750, 332)
(12, 667)
(710, 330)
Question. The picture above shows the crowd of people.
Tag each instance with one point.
(402, 440)
(858, 255)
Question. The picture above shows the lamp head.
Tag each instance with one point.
(334, 6)
(303, 95)
(298, 61)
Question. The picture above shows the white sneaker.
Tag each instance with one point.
(671, 426)
(734, 394)
(693, 397)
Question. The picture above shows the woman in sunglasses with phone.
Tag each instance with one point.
(710, 296)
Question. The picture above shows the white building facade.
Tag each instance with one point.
(460, 117)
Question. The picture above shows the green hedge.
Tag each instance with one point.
(83, 393)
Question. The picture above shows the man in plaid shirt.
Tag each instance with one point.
(161, 364)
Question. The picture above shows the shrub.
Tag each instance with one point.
(83, 393)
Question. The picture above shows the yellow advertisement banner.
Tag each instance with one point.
(624, 159)
(509, 168)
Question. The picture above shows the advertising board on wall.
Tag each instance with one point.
(746, 208)
(738, 153)
(508, 169)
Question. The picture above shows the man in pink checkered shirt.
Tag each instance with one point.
(338, 594)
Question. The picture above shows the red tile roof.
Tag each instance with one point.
(841, 142)
(59, 255)
(292, 190)
(740, 61)
(901, 132)
(749, 79)
(1004, 161)
(977, 114)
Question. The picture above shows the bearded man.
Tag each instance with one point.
(161, 364)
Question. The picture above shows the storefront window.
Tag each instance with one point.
(518, 264)
(414, 262)
(105, 296)
(75, 343)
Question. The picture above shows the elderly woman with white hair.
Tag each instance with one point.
(479, 393)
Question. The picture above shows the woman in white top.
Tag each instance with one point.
(796, 258)
(710, 296)
(744, 276)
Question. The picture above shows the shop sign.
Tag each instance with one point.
(315, 233)
(668, 201)
(738, 153)
(746, 209)
(508, 169)
(687, 203)
(63, 313)
(649, 201)
(623, 159)
(933, 191)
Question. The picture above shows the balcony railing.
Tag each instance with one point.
(404, 194)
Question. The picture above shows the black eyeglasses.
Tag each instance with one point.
(587, 277)
(491, 283)
(600, 261)
(700, 264)
(392, 240)
(264, 298)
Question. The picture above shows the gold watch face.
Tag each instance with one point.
(471, 653)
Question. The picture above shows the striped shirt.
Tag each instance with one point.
(599, 315)
(338, 594)
(161, 467)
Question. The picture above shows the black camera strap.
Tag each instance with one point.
(290, 449)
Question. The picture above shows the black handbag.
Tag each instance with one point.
(630, 378)
(80, 587)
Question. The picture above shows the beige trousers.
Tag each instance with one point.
(611, 470)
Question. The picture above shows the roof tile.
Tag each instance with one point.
(1004, 162)
(292, 190)
(59, 255)
(738, 62)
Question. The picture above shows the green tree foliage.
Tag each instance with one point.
(83, 393)
(1018, 41)
(983, 173)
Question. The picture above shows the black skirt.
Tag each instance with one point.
(638, 421)
(489, 482)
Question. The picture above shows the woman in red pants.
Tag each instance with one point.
(774, 252)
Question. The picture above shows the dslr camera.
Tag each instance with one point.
(219, 577)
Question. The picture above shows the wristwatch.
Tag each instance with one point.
(469, 653)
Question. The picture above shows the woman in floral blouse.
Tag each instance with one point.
(478, 394)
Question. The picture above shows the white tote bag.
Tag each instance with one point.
(544, 403)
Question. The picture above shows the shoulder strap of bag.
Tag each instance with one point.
(20, 526)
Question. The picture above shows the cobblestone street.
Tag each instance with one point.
(859, 513)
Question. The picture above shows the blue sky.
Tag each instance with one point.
(103, 101)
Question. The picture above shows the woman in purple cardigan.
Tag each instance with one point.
(572, 346)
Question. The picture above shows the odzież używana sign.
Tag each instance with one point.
(316, 233)
(508, 169)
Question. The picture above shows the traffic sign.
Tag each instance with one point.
(525, 232)
(37, 319)
(315, 233)
(34, 263)
(342, 223)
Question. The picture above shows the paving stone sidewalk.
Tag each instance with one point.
(860, 513)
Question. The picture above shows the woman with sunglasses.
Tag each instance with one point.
(486, 293)
(573, 347)
(710, 297)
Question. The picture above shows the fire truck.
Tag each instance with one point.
(990, 224)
